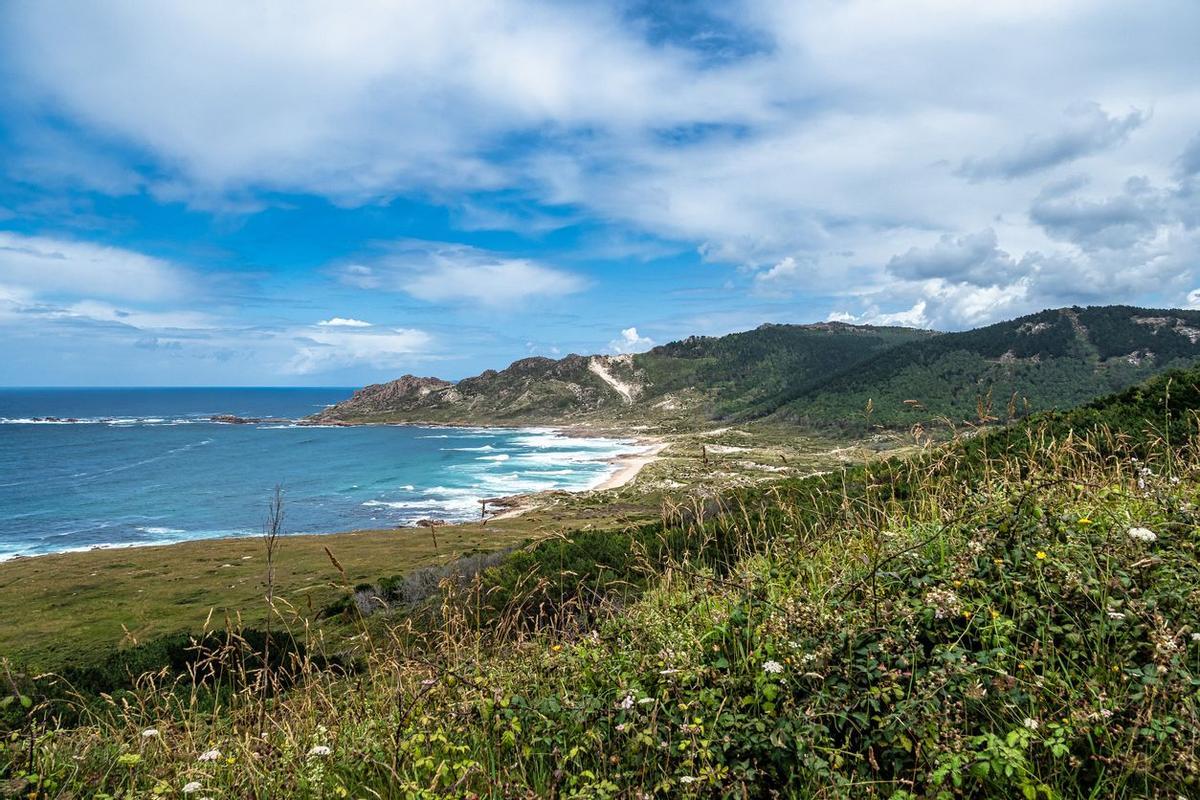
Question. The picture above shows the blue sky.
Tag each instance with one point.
(333, 194)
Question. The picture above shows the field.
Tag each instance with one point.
(55, 610)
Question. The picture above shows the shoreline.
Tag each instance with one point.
(627, 466)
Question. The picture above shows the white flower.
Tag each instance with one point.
(627, 703)
(1115, 615)
(1031, 723)
(210, 755)
(149, 733)
(621, 727)
(1196, 637)
(772, 667)
(809, 658)
(687, 779)
(645, 700)
(190, 788)
(1142, 534)
(319, 750)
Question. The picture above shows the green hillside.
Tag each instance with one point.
(693, 379)
(1053, 359)
(1015, 614)
(828, 375)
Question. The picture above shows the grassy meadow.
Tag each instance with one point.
(1014, 614)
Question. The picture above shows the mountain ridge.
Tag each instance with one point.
(826, 374)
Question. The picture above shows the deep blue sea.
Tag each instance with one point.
(145, 466)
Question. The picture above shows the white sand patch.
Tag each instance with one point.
(626, 390)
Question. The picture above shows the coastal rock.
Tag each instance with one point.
(378, 398)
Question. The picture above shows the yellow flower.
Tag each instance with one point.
(1041, 555)
(966, 615)
(1084, 521)
(555, 648)
(995, 614)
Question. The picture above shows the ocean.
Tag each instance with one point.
(147, 467)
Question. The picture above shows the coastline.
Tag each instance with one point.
(626, 467)
(629, 465)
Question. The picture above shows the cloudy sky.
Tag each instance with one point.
(334, 193)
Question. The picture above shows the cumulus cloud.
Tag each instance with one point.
(824, 146)
(973, 258)
(781, 278)
(319, 350)
(441, 272)
(630, 342)
(1119, 221)
(1088, 129)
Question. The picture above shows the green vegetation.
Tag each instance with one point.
(1013, 614)
(826, 376)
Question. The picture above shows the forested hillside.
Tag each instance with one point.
(823, 375)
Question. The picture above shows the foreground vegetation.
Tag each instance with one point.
(1012, 615)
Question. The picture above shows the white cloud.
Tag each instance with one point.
(630, 342)
(842, 139)
(321, 349)
(440, 272)
(57, 266)
(343, 322)
(98, 311)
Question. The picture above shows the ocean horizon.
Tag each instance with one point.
(101, 467)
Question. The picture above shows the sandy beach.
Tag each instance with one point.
(630, 466)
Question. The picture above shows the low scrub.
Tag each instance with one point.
(1013, 616)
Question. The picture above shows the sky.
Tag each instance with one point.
(311, 193)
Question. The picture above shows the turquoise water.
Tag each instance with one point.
(144, 466)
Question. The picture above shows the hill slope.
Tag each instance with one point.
(1011, 615)
(697, 377)
(824, 374)
(1052, 359)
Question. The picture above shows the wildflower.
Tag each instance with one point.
(621, 727)
(1031, 723)
(1041, 555)
(645, 700)
(627, 703)
(1085, 521)
(809, 658)
(772, 667)
(1196, 637)
(687, 779)
(1142, 534)
(191, 788)
(210, 755)
(1174, 481)
(150, 733)
(319, 750)
(944, 602)
(1115, 615)
(555, 648)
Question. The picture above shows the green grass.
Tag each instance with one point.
(1014, 614)
(56, 610)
